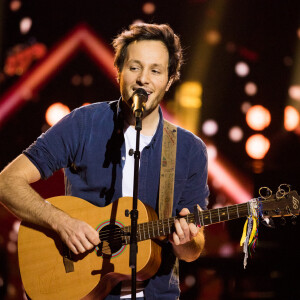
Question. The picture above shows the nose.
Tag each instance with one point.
(143, 77)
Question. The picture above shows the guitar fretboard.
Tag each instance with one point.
(164, 227)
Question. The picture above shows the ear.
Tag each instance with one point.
(169, 83)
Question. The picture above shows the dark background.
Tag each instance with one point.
(264, 34)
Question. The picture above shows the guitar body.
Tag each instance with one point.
(47, 275)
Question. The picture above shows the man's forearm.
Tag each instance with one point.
(191, 250)
(24, 202)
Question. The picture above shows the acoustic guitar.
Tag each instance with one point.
(50, 271)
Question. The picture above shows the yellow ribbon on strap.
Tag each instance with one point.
(253, 231)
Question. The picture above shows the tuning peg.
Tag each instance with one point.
(283, 221)
(268, 222)
(294, 219)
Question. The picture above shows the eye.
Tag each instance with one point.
(156, 71)
(133, 68)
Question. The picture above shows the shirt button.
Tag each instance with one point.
(123, 157)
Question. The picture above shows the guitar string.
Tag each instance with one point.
(212, 214)
(205, 214)
(167, 221)
(155, 227)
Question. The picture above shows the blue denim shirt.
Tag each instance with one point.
(89, 144)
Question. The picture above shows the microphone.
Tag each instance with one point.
(139, 98)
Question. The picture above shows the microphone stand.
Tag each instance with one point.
(134, 213)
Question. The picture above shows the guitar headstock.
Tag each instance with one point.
(283, 203)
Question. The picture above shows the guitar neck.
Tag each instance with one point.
(164, 227)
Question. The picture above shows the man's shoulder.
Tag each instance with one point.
(189, 138)
(98, 106)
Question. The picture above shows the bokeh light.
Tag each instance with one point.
(250, 88)
(245, 107)
(212, 152)
(242, 69)
(258, 117)
(213, 37)
(55, 112)
(235, 134)
(25, 25)
(257, 146)
(291, 118)
(15, 5)
(149, 8)
(294, 92)
(210, 127)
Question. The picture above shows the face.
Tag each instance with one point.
(145, 66)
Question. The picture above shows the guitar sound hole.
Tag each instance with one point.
(111, 239)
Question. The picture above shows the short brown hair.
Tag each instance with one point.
(144, 31)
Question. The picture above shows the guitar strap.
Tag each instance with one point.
(167, 178)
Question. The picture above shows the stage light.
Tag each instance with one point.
(226, 250)
(25, 25)
(212, 152)
(298, 33)
(242, 69)
(250, 88)
(149, 8)
(213, 37)
(245, 107)
(55, 112)
(257, 146)
(87, 80)
(258, 117)
(210, 127)
(294, 92)
(76, 80)
(15, 5)
(190, 280)
(291, 118)
(235, 134)
(189, 94)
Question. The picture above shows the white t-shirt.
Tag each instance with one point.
(128, 170)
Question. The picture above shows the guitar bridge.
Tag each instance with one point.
(67, 259)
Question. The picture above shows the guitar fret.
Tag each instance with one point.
(164, 227)
(153, 229)
(139, 237)
(126, 237)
